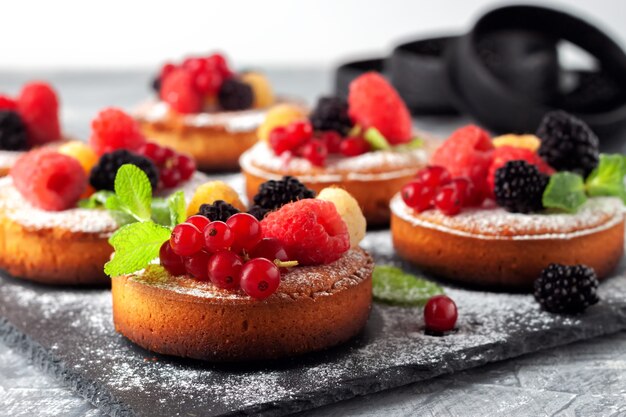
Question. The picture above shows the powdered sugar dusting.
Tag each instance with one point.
(8, 158)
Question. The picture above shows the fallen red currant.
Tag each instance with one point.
(225, 269)
(418, 196)
(218, 236)
(170, 261)
(246, 230)
(186, 239)
(259, 278)
(197, 265)
(434, 176)
(440, 314)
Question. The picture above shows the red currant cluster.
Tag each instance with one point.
(433, 186)
(208, 72)
(231, 255)
(174, 168)
(299, 138)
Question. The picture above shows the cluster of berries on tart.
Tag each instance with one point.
(513, 171)
(30, 119)
(374, 117)
(235, 250)
(207, 83)
(54, 179)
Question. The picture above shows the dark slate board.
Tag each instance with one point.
(68, 332)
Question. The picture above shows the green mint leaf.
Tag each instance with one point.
(134, 191)
(117, 211)
(415, 143)
(392, 285)
(377, 141)
(177, 208)
(136, 245)
(565, 191)
(160, 211)
(96, 200)
(608, 177)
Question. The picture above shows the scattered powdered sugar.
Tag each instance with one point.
(369, 166)
(599, 213)
(8, 158)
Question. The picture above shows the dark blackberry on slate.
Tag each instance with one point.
(331, 113)
(519, 187)
(235, 95)
(274, 194)
(566, 289)
(102, 175)
(13, 135)
(219, 210)
(567, 143)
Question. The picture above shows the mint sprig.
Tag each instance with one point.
(565, 191)
(177, 208)
(134, 192)
(608, 178)
(391, 285)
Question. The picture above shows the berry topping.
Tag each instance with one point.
(315, 151)
(7, 103)
(186, 239)
(434, 176)
(260, 278)
(519, 187)
(209, 193)
(13, 135)
(247, 231)
(82, 152)
(418, 195)
(567, 143)
(566, 289)
(219, 210)
(225, 269)
(504, 154)
(235, 95)
(373, 102)
(102, 175)
(354, 146)
(311, 230)
(179, 92)
(270, 248)
(172, 262)
(349, 210)
(261, 89)
(331, 114)
(332, 140)
(218, 236)
(290, 137)
(449, 199)
(49, 180)
(280, 115)
(174, 168)
(39, 108)
(530, 142)
(274, 194)
(440, 314)
(199, 221)
(113, 129)
(258, 212)
(197, 265)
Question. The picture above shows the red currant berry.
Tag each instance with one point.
(170, 177)
(300, 131)
(218, 62)
(354, 146)
(166, 70)
(279, 140)
(198, 265)
(218, 236)
(332, 140)
(434, 176)
(465, 190)
(418, 195)
(259, 278)
(169, 154)
(246, 230)
(270, 248)
(186, 166)
(194, 64)
(170, 261)
(225, 269)
(186, 239)
(440, 314)
(154, 152)
(449, 200)
(199, 221)
(315, 151)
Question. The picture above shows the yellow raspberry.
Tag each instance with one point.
(531, 142)
(263, 94)
(349, 210)
(210, 192)
(280, 115)
(82, 152)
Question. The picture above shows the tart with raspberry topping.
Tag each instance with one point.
(364, 145)
(27, 121)
(206, 110)
(497, 213)
(233, 288)
(58, 206)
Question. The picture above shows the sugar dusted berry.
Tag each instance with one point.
(440, 314)
(224, 269)
(259, 278)
(172, 262)
(179, 92)
(218, 236)
(504, 154)
(113, 129)
(38, 107)
(519, 187)
(186, 239)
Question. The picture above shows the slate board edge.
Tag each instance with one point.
(97, 395)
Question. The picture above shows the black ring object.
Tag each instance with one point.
(599, 97)
(347, 72)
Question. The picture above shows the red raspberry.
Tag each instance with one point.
(468, 152)
(39, 108)
(113, 129)
(7, 103)
(373, 102)
(310, 230)
(504, 154)
(179, 91)
(49, 180)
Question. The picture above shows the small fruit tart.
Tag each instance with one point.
(224, 286)
(365, 145)
(58, 206)
(498, 212)
(27, 121)
(206, 110)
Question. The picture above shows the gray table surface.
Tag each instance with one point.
(583, 379)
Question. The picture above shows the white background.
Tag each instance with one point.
(122, 34)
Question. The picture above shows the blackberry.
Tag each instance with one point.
(566, 289)
(13, 136)
(331, 113)
(155, 85)
(235, 95)
(102, 176)
(219, 210)
(519, 187)
(274, 194)
(258, 212)
(567, 143)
